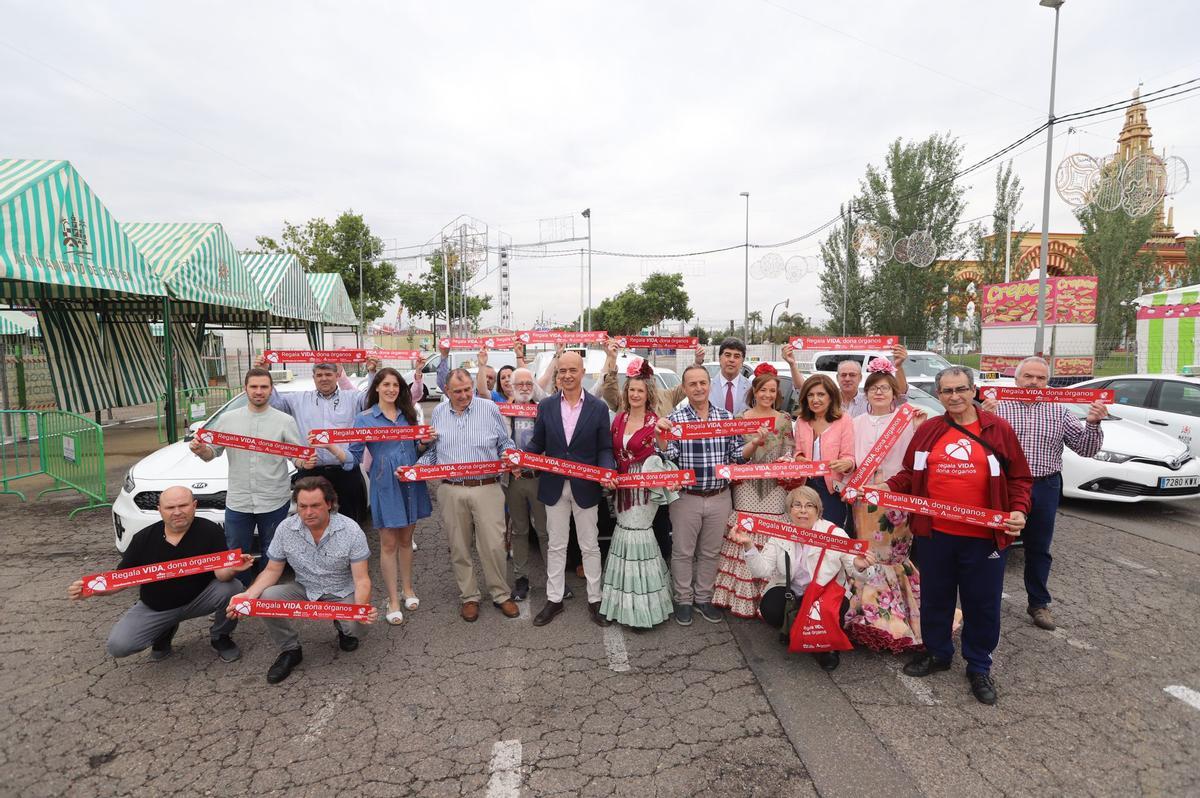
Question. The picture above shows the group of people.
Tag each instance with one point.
(901, 594)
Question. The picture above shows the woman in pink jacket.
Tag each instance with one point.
(823, 433)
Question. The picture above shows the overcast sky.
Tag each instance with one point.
(654, 114)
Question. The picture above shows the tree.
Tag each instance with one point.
(342, 248)
(916, 190)
(842, 283)
(1190, 274)
(989, 250)
(1109, 245)
(426, 295)
(790, 324)
(755, 320)
(658, 298)
(700, 334)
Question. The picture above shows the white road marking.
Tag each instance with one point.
(504, 780)
(1185, 694)
(524, 608)
(918, 687)
(323, 716)
(1137, 566)
(614, 644)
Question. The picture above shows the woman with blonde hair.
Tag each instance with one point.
(791, 567)
(736, 588)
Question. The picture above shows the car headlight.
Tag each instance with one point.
(1111, 457)
(129, 485)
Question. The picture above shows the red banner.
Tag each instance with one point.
(518, 409)
(843, 341)
(315, 355)
(748, 522)
(922, 505)
(369, 434)
(157, 572)
(487, 342)
(562, 337)
(231, 441)
(1058, 395)
(657, 341)
(312, 610)
(423, 473)
(800, 470)
(1191, 311)
(694, 430)
(394, 354)
(657, 479)
(883, 446)
(556, 465)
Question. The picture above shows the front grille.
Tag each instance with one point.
(1163, 463)
(148, 500)
(1120, 487)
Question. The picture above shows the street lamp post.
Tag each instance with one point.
(1040, 339)
(746, 290)
(361, 315)
(771, 324)
(587, 214)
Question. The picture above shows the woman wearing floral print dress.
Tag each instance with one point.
(736, 588)
(637, 585)
(884, 612)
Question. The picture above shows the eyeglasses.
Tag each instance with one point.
(881, 388)
(961, 390)
(522, 384)
(806, 506)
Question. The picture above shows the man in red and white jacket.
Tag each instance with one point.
(972, 457)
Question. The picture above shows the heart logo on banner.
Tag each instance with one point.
(242, 608)
(997, 518)
(677, 431)
(748, 524)
(524, 337)
(273, 357)
(97, 584)
(205, 436)
(410, 475)
(489, 343)
(320, 437)
(514, 458)
(990, 393)
(444, 343)
(621, 342)
(873, 496)
(850, 494)
(361, 611)
(723, 472)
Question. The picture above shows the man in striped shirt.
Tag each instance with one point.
(1044, 428)
(700, 514)
(469, 429)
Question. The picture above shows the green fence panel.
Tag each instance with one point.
(66, 447)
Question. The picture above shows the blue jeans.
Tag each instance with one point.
(239, 534)
(972, 571)
(1037, 535)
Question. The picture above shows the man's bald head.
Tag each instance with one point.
(177, 506)
(570, 373)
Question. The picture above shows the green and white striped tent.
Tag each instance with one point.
(331, 296)
(14, 322)
(58, 241)
(200, 265)
(1166, 330)
(284, 285)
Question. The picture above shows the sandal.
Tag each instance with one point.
(411, 603)
(394, 617)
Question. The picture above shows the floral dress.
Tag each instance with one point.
(637, 584)
(736, 589)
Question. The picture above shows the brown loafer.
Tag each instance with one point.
(508, 607)
(470, 611)
(1042, 618)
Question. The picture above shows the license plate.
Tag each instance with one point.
(1178, 482)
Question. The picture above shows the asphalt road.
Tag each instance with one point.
(499, 708)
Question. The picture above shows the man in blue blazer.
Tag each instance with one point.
(572, 425)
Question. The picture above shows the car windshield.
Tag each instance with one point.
(924, 365)
(232, 404)
(669, 379)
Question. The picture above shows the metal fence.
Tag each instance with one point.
(66, 447)
(191, 405)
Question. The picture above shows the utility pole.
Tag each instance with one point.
(846, 273)
(587, 214)
(1039, 343)
(746, 289)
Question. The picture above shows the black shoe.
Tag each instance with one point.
(520, 589)
(597, 618)
(983, 687)
(828, 660)
(567, 593)
(284, 663)
(160, 649)
(227, 650)
(346, 642)
(548, 612)
(925, 664)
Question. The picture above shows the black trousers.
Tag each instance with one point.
(351, 491)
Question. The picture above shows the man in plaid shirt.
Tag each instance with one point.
(1044, 428)
(699, 515)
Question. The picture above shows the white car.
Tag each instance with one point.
(136, 506)
(919, 369)
(1165, 403)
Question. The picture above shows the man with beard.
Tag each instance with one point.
(524, 508)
